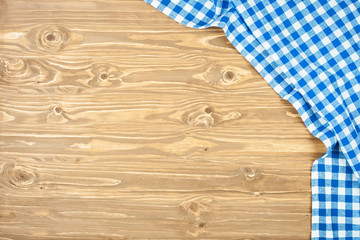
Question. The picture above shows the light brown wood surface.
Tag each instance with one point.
(116, 122)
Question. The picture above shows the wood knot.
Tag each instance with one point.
(208, 110)
(105, 75)
(57, 110)
(201, 225)
(229, 75)
(207, 117)
(194, 209)
(221, 76)
(53, 38)
(18, 176)
(250, 173)
(13, 67)
(50, 37)
(57, 115)
(197, 206)
(200, 119)
(22, 71)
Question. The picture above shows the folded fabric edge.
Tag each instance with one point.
(338, 134)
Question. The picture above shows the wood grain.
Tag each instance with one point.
(118, 123)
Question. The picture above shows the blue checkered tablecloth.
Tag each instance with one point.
(308, 52)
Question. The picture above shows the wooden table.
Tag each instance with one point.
(116, 122)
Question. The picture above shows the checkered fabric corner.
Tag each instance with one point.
(335, 198)
(308, 52)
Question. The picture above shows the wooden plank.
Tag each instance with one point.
(118, 123)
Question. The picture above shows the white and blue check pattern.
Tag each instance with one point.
(309, 53)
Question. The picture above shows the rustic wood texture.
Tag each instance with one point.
(116, 122)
